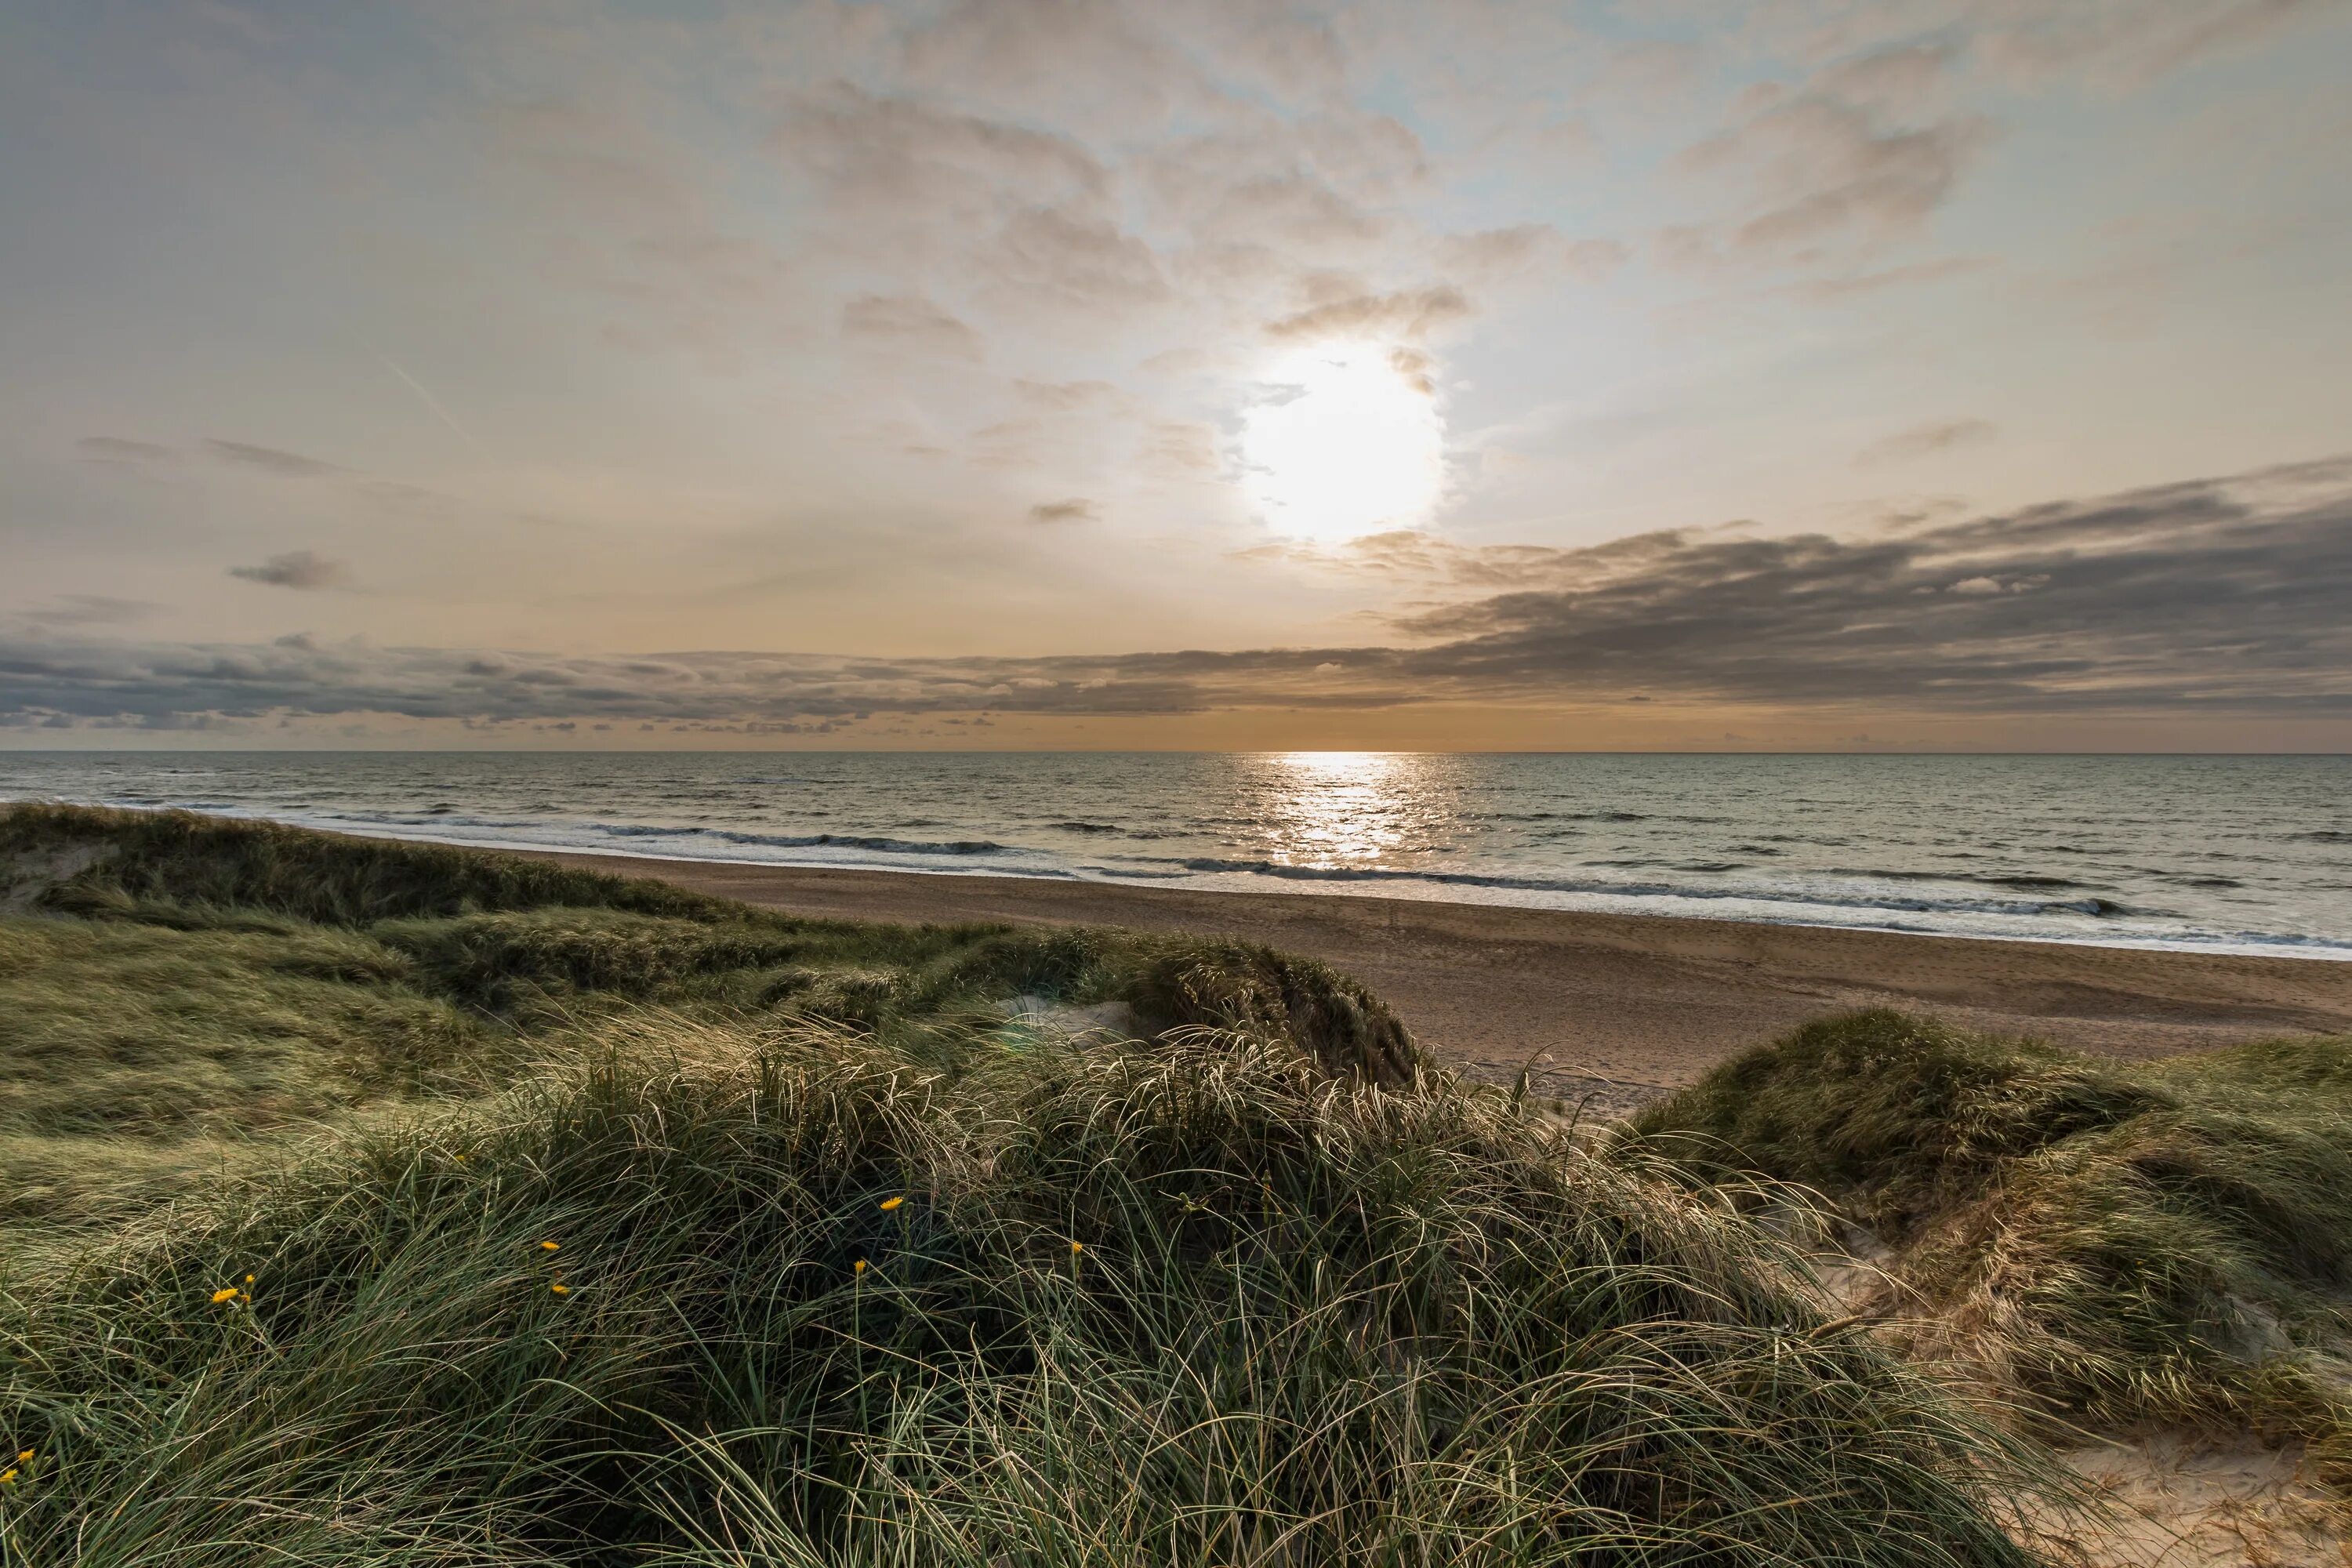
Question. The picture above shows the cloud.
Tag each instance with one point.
(1497, 250)
(1081, 258)
(1066, 396)
(1852, 285)
(90, 609)
(2212, 594)
(2219, 596)
(295, 569)
(880, 157)
(1856, 156)
(1175, 450)
(270, 459)
(1412, 314)
(119, 449)
(1926, 441)
(1076, 510)
(2125, 44)
(1503, 253)
(912, 321)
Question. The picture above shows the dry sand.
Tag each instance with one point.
(1618, 1006)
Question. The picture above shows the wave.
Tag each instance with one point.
(625, 831)
(2096, 907)
(2024, 882)
(874, 843)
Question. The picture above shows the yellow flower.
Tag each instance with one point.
(858, 1266)
(25, 1457)
(889, 1204)
(227, 1294)
(248, 1278)
(550, 1246)
(1076, 1247)
(560, 1289)
(8, 1477)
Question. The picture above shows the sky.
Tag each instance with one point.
(1451, 374)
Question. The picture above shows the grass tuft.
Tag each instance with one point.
(1201, 1305)
(2128, 1244)
(394, 1205)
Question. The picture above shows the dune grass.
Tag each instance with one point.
(1204, 1305)
(2127, 1244)
(184, 989)
(512, 936)
(168, 1049)
(440, 1208)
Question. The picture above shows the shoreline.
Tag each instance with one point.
(2049, 876)
(2295, 950)
(1620, 1007)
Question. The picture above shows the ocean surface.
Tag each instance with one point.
(2240, 854)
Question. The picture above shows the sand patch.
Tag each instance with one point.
(27, 874)
(2177, 1500)
(1104, 1022)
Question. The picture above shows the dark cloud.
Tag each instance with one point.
(1925, 440)
(294, 569)
(1077, 508)
(2230, 596)
(270, 459)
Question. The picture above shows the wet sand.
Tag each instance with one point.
(1620, 1007)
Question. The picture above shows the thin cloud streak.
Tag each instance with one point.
(434, 403)
(294, 569)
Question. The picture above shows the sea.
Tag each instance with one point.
(2236, 854)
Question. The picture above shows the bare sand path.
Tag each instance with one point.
(1626, 1004)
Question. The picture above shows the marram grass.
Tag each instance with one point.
(1205, 1305)
(374, 1204)
(176, 991)
(2122, 1244)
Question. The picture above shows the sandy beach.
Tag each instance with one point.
(1618, 1006)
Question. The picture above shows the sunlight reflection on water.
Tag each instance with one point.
(1337, 808)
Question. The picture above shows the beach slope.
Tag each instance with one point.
(1618, 1006)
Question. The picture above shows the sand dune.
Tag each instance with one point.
(1621, 1007)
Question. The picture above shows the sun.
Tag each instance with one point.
(1345, 439)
